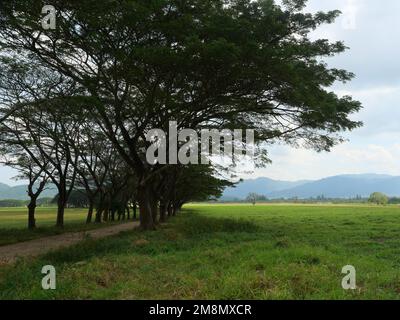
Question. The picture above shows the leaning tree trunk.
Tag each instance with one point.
(99, 209)
(90, 212)
(99, 212)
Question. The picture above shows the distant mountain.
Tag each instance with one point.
(260, 186)
(341, 186)
(19, 192)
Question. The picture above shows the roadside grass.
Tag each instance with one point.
(13, 224)
(228, 252)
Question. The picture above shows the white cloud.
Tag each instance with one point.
(297, 164)
(373, 57)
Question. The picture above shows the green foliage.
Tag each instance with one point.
(11, 203)
(77, 199)
(254, 197)
(378, 198)
(244, 64)
(394, 200)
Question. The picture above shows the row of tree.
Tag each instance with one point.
(77, 102)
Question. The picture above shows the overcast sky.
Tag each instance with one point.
(371, 29)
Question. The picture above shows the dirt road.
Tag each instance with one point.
(36, 247)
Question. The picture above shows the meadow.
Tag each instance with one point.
(228, 252)
(13, 223)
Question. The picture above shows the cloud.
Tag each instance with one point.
(374, 47)
(368, 27)
(297, 164)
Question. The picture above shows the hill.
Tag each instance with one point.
(341, 186)
(19, 192)
(260, 186)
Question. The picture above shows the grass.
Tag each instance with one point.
(13, 224)
(228, 252)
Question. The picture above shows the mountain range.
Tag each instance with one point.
(19, 192)
(341, 186)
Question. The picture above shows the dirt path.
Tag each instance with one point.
(36, 247)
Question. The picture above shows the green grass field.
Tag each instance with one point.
(229, 252)
(13, 223)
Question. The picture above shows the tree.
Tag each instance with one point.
(253, 197)
(204, 63)
(45, 137)
(77, 199)
(94, 153)
(378, 198)
(40, 127)
(28, 170)
(394, 200)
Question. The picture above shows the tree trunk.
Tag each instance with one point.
(90, 212)
(99, 212)
(134, 211)
(106, 213)
(163, 212)
(154, 208)
(31, 214)
(60, 217)
(169, 208)
(100, 208)
(173, 211)
(128, 212)
(176, 208)
(146, 217)
(60, 210)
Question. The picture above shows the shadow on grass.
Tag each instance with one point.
(181, 233)
(14, 235)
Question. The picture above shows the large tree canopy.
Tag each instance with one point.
(135, 65)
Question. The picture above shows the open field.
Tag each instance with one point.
(229, 252)
(13, 223)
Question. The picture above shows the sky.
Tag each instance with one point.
(370, 29)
